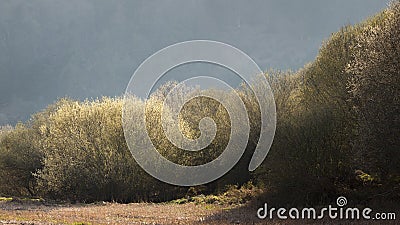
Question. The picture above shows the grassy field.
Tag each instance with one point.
(113, 213)
(40, 212)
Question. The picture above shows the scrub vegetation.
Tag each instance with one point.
(337, 134)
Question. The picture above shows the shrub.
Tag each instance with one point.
(375, 90)
(20, 157)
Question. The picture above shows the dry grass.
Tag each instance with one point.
(14, 212)
(106, 213)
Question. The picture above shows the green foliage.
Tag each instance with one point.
(233, 195)
(336, 117)
(80, 223)
(375, 90)
(20, 158)
(86, 158)
(308, 157)
(5, 199)
(85, 154)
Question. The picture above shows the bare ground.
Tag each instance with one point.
(12, 212)
(109, 213)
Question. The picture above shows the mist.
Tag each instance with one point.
(87, 49)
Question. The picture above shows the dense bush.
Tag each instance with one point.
(375, 89)
(338, 118)
(337, 128)
(20, 157)
(86, 157)
(84, 151)
(311, 157)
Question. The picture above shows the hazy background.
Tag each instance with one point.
(85, 49)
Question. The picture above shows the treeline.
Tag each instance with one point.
(338, 119)
(77, 151)
(337, 133)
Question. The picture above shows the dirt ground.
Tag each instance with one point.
(12, 212)
(113, 213)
